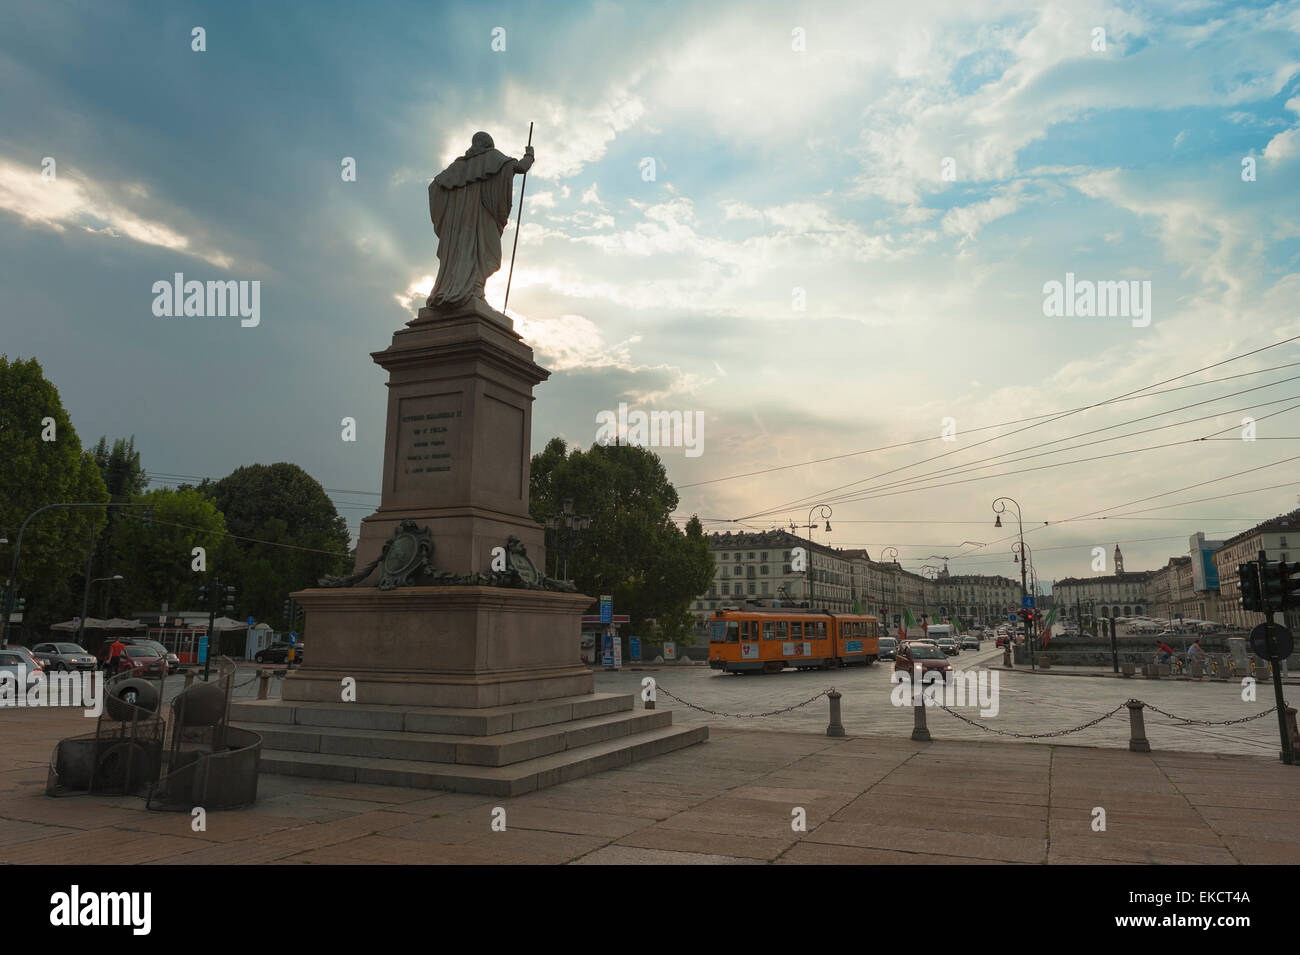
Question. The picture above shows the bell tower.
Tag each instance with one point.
(1119, 561)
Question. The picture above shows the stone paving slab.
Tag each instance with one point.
(867, 800)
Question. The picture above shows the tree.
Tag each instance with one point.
(120, 468)
(42, 462)
(288, 535)
(633, 549)
(158, 560)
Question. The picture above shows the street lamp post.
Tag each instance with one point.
(999, 508)
(823, 513)
(85, 597)
(564, 523)
(18, 550)
(890, 552)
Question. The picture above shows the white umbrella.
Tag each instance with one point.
(118, 623)
(92, 623)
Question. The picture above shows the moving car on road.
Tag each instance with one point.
(948, 645)
(926, 656)
(888, 646)
(12, 662)
(970, 642)
(278, 653)
(143, 661)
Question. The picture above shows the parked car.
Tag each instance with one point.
(33, 664)
(926, 656)
(970, 642)
(948, 645)
(64, 656)
(278, 653)
(888, 646)
(19, 666)
(143, 661)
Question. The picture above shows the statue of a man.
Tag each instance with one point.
(469, 203)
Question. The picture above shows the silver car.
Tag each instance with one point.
(15, 663)
(64, 656)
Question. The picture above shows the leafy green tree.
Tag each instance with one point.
(42, 462)
(288, 535)
(119, 466)
(633, 549)
(157, 559)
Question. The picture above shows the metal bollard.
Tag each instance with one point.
(1137, 741)
(263, 682)
(835, 728)
(1006, 655)
(189, 678)
(1293, 729)
(920, 732)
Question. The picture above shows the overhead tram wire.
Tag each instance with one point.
(869, 493)
(1056, 417)
(986, 427)
(970, 466)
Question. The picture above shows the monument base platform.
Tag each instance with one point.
(440, 646)
(499, 751)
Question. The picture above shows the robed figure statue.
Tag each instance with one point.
(469, 203)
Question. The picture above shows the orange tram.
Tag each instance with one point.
(768, 641)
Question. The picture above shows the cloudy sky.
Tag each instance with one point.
(826, 228)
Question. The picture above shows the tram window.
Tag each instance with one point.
(719, 631)
(796, 629)
(818, 628)
(744, 629)
(768, 632)
(780, 630)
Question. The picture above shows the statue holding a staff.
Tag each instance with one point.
(469, 203)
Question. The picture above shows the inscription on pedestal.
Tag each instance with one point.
(428, 434)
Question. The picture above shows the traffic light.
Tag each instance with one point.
(1270, 575)
(148, 517)
(1290, 580)
(228, 599)
(1248, 580)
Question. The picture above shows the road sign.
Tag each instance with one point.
(1282, 642)
(670, 650)
(293, 636)
(634, 648)
(943, 611)
(251, 621)
(898, 618)
(203, 650)
(1026, 601)
(1013, 617)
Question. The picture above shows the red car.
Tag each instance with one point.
(143, 661)
(924, 655)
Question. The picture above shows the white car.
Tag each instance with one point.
(18, 665)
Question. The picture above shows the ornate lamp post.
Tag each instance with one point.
(999, 508)
(890, 553)
(564, 523)
(823, 513)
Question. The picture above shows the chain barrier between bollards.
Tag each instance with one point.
(742, 716)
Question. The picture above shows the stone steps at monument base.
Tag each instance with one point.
(501, 749)
(512, 780)
(485, 721)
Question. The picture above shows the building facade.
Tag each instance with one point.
(1108, 595)
(1279, 538)
(976, 599)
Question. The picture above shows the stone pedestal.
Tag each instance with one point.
(441, 646)
(458, 444)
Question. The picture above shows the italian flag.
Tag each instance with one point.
(1045, 637)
